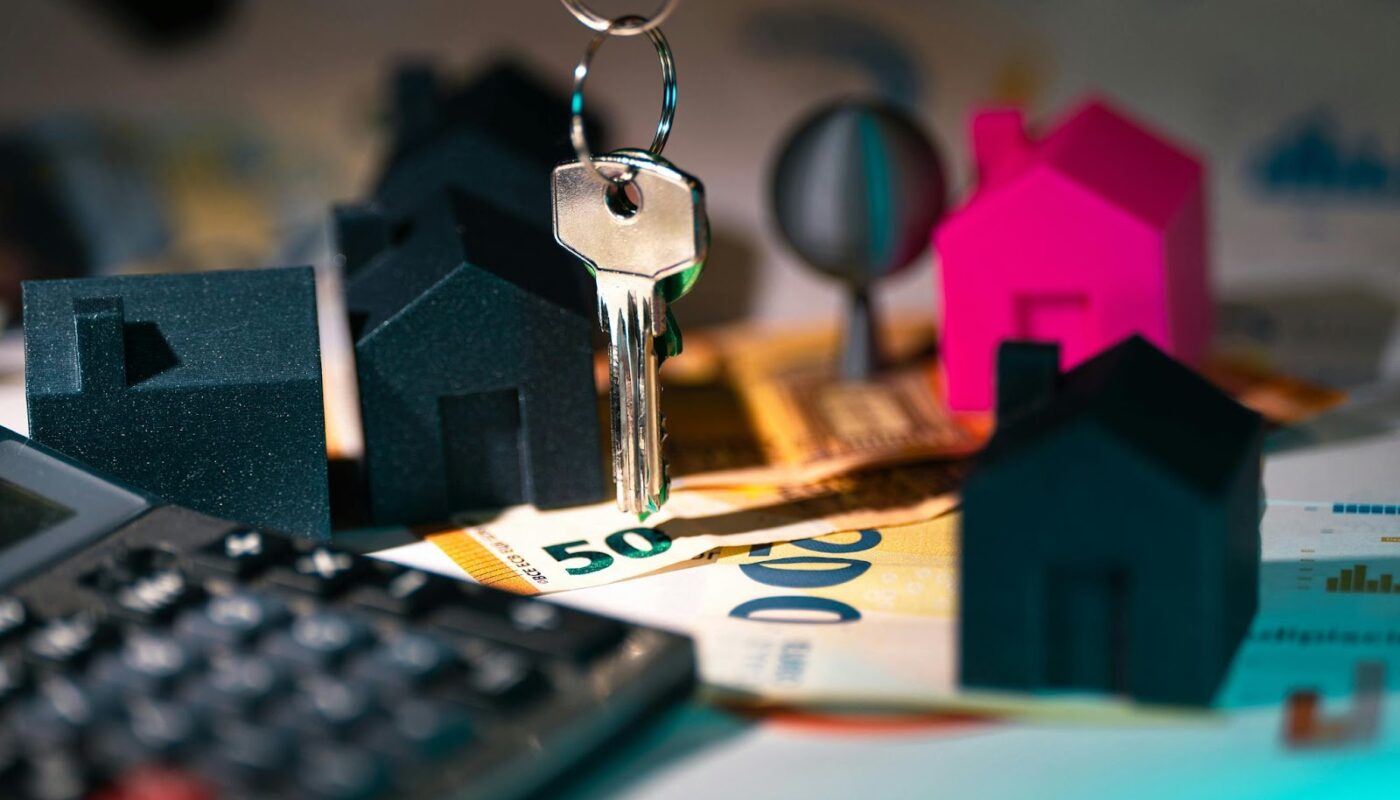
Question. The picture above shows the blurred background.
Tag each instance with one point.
(218, 137)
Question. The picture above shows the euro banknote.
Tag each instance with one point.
(529, 551)
(748, 406)
(860, 619)
(1281, 399)
(866, 616)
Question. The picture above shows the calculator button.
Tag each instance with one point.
(492, 678)
(14, 678)
(331, 707)
(60, 710)
(503, 676)
(57, 774)
(319, 570)
(405, 661)
(153, 596)
(123, 565)
(234, 619)
(11, 758)
(242, 554)
(418, 730)
(147, 664)
(151, 730)
(319, 639)
(396, 590)
(14, 617)
(334, 771)
(67, 641)
(160, 726)
(240, 685)
(538, 627)
(158, 658)
(251, 755)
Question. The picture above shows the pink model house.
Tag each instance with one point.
(1085, 236)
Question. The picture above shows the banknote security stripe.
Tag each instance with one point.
(503, 569)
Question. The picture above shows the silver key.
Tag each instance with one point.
(632, 256)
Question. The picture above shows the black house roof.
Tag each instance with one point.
(206, 329)
(450, 230)
(466, 187)
(504, 101)
(473, 162)
(1151, 403)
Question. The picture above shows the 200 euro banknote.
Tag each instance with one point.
(858, 619)
(867, 616)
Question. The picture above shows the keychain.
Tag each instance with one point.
(639, 225)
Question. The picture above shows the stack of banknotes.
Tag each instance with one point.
(819, 518)
(766, 446)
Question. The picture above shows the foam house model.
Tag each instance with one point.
(1081, 237)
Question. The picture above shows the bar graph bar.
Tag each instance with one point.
(1364, 508)
(1355, 581)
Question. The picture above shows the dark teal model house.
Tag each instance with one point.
(204, 389)
(473, 348)
(473, 330)
(1111, 529)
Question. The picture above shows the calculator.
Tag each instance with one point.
(149, 651)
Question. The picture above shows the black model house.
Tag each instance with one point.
(468, 162)
(473, 329)
(204, 389)
(473, 347)
(1111, 529)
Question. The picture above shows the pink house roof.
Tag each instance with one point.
(1098, 148)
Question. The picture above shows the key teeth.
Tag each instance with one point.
(665, 464)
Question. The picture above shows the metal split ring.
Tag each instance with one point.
(668, 98)
(631, 25)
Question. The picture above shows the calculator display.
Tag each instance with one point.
(24, 513)
(51, 507)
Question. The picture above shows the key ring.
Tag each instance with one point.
(668, 98)
(600, 23)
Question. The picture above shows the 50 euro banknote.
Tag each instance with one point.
(529, 551)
